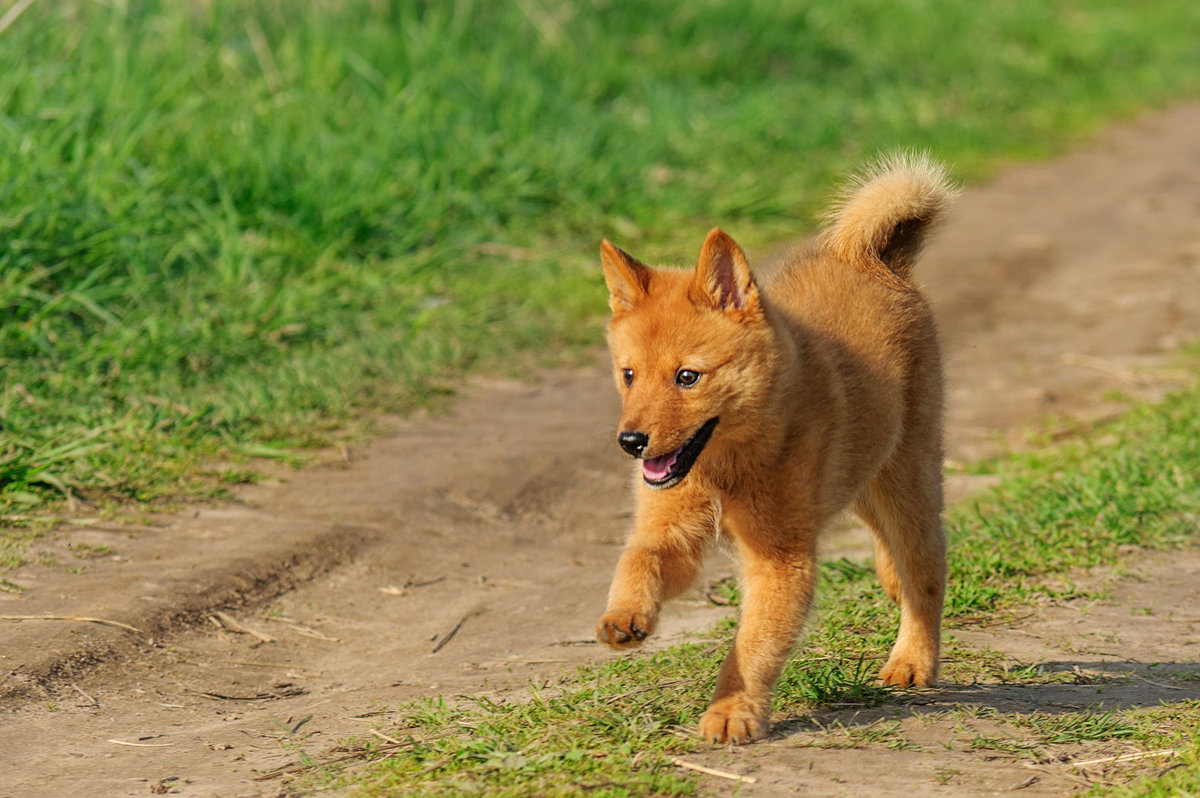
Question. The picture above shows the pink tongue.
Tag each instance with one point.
(657, 468)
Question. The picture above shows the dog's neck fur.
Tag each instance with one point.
(804, 373)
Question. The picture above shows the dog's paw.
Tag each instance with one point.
(903, 673)
(733, 719)
(624, 628)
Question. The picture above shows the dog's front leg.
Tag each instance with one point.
(777, 591)
(660, 560)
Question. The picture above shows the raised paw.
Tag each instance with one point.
(623, 628)
(733, 719)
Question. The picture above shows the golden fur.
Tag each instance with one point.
(825, 388)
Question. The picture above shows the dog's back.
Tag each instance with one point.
(850, 295)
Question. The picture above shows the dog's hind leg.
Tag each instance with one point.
(902, 506)
(884, 566)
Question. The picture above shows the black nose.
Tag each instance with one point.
(634, 443)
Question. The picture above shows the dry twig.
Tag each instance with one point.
(281, 691)
(444, 639)
(412, 582)
(1127, 757)
(721, 774)
(385, 738)
(76, 688)
(307, 632)
(234, 625)
(104, 621)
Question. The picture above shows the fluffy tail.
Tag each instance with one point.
(886, 212)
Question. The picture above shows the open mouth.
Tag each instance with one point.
(668, 469)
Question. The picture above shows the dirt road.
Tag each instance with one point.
(471, 552)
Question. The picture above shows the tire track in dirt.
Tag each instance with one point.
(502, 520)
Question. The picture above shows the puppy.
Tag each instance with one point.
(760, 411)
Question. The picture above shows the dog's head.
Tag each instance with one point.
(689, 349)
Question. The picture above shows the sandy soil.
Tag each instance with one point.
(472, 551)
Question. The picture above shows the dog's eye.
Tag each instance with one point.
(686, 378)
(627, 376)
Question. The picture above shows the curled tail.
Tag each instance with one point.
(886, 212)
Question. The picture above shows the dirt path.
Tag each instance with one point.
(473, 551)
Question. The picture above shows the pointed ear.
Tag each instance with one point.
(627, 278)
(723, 280)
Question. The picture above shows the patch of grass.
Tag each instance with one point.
(1169, 776)
(966, 664)
(884, 733)
(252, 222)
(603, 730)
(1112, 747)
(85, 551)
(1005, 745)
(1078, 727)
(1076, 506)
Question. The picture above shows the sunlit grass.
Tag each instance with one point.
(236, 223)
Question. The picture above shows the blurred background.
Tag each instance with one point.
(241, 228)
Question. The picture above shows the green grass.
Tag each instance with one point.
(1161, 743)
(615, 726)
(1177, 729)
(1136, 483)
(237, 228)
(1166, 730)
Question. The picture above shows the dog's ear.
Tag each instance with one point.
(628, 279)
(723, 278)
